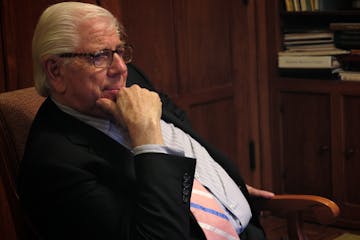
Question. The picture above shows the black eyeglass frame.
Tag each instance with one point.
(105, 57)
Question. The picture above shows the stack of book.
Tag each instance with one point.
(347, 36)
(301, 5)
(350, 66)
(309, 40)
(315, 5)
(309, 54)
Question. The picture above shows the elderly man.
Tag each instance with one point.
(109, 158)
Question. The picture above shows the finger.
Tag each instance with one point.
(110, 107)
(259, 193)
(265, 194)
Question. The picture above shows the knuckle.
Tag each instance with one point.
(134, 86)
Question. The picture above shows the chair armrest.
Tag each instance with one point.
(293, 206)
(324, 210)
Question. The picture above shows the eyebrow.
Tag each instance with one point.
(117, 46)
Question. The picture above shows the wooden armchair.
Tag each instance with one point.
(17, 111)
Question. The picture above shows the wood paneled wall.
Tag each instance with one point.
(202, 53)
(18, 20)
(208, 55)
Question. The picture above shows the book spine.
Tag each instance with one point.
(309, 5)
(316, 5)
(289, 5)
(303, 6)
(350, 75)
(327, 5)
(297, 7)
(305, 62)
(350, 78)
(318, 73)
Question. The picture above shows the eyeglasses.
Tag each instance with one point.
(104, 58)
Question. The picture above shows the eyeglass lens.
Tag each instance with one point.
(105, 57)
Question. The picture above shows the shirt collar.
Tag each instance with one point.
(99, 123)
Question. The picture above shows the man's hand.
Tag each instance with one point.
(259, 193)
(138, 110)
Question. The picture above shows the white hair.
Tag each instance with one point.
(57, 32)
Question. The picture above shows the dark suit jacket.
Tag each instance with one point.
(77, 183)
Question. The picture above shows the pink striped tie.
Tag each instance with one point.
(210, 215)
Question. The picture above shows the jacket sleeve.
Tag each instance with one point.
(164, 188)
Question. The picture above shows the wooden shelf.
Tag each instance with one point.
(314, 121)
(318, 18)
(350, 13)
(317, 85)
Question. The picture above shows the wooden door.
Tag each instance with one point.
(348, 172)
(305, 143)
(2, 69)
(207, 82)
(150, 26)
(202, 53)
(18, 21)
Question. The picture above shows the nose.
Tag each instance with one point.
(118, 65)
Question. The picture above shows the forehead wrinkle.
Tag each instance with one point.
(97, 35)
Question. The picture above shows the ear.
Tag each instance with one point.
(52, 67)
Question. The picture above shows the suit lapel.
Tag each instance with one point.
(81, 134)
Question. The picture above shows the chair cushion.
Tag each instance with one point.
(17, 111)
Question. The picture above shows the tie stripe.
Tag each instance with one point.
(213, 233)
(210, 215)
(201, 193)
(209, 210)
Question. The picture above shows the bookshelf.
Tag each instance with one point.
(314, 119)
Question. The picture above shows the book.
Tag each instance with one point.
(297, 7)
(303, 6)
(308, 35)
(342, 36)
(350, 61)
(289, 5)
(328, 5)
(304, 29)
(347, 44)
(355, 51)
(308, 42)
(318, 73)
(349, 75)
(315, 4)
(308, 62)
(342, 26)
(309, 5)
(346, 35)
(325, 52)
(347, 39)
(312, 47)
